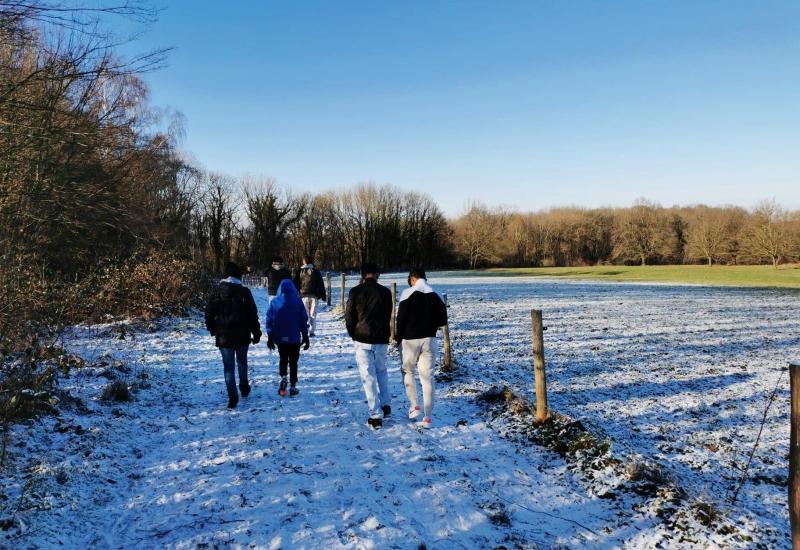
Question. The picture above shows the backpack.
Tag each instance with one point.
(231, 312)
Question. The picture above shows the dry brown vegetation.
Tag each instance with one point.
(95, 200)
(643, 234)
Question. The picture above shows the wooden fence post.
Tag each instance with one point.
(446, 332)
(343, 288)
(328, 277)
(794, 456)
(538, 366)
(394, 312)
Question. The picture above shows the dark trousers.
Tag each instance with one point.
(232, 357)
(289, 355)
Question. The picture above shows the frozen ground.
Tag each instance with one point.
(679, 375)
(676, 374)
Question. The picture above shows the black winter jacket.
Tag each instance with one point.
(274, 278)
(231, 315)
(420, 313)
(309, 283)
(369, 309)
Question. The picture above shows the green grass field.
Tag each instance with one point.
(738, 275)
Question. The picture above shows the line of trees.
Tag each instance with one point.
(252, 219)
(644, 233)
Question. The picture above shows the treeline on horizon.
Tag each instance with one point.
(643, 234)
(399, 229)
(102, 213)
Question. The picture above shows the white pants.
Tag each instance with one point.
(371, 360)
(420, 354)
(311, 308)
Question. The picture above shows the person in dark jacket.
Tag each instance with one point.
(275, 274)
(287, 327)
(419, 315)
(367, 315)
(232, 318)
(312, 290)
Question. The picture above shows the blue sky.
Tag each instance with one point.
(529, 104)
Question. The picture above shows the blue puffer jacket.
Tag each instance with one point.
(287, 320)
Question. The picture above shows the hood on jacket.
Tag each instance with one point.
(420, 286)
(287, 295)
(287, 289)
(287, 320)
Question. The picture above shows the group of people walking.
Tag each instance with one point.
(232, 318)
(307, 280)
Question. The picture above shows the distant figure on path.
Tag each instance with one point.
(312, 290)
(367, 315)
(287, 326)
(232, 317)
(275, 274)
(420, 313)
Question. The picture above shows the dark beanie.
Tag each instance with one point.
(233, 270)
(369, 267)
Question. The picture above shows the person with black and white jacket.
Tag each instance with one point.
(312, 289)
(419, 315)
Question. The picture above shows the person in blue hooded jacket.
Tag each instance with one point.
(287, 328)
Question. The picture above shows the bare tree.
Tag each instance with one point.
(768, 233)
(270, 213)
(218, 221)
(477, 234)
(708, 236)
(639, 232)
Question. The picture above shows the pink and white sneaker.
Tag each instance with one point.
(427, 422)
(413, 412)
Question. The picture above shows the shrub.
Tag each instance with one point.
(145, 286)
(26, 391)
(643, 470)
(116, 391)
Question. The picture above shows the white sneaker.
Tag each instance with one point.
(427, 422)
(413, 412)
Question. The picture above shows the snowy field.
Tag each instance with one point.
(677, 375)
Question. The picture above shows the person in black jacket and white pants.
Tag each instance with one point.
(312, 290)
(420, 313)
(367, 316)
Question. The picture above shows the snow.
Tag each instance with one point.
(678, 375)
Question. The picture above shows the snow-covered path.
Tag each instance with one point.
(175, 468)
